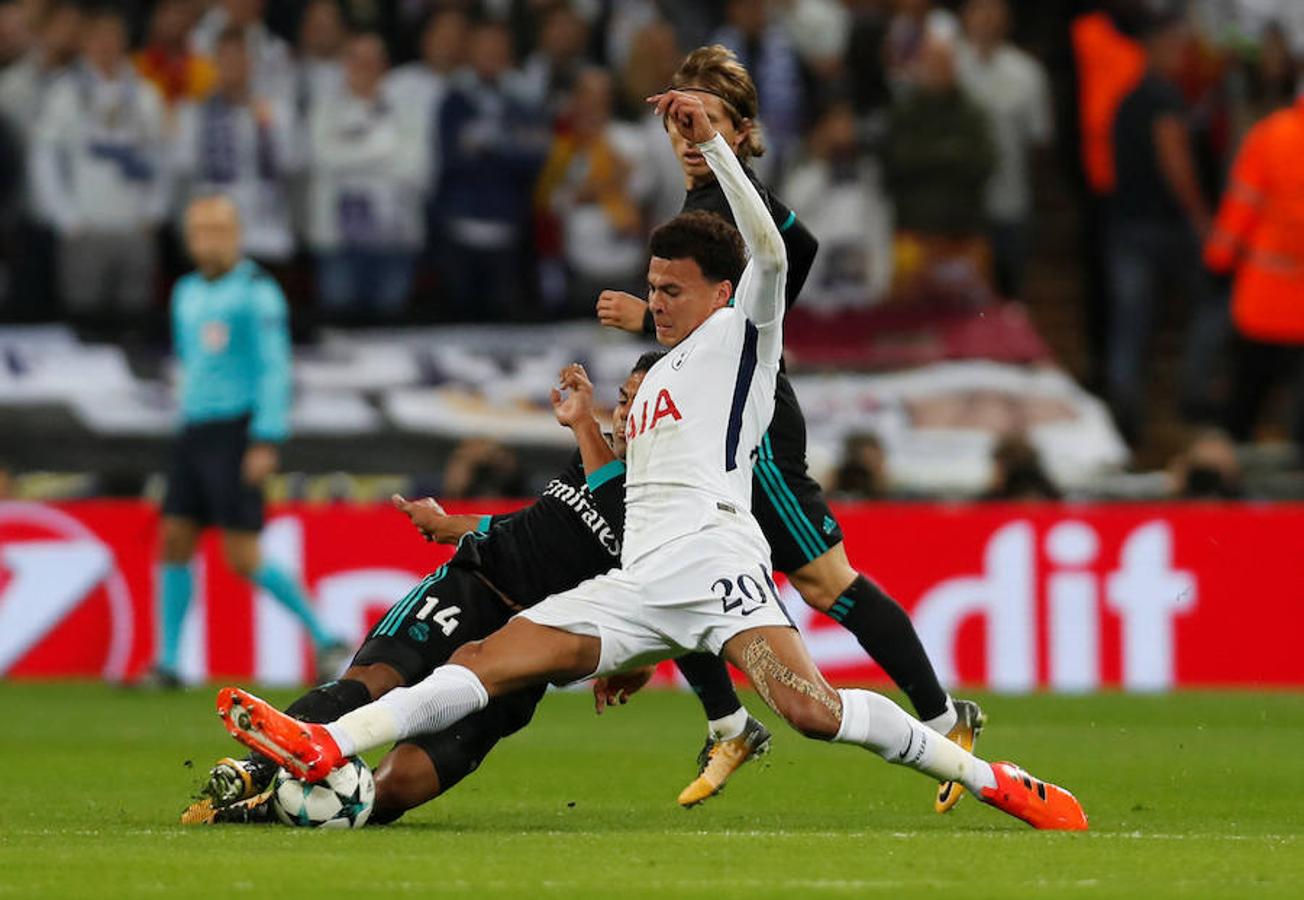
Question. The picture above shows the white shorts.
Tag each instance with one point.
(694, 593)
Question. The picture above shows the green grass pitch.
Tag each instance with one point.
(1189, 795)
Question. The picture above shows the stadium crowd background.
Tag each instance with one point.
(436, 161)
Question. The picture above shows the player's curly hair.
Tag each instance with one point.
(645, 362)
(717, 71)
(706, 239)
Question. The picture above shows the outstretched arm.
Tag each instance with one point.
(436, 525)
(575, 411)
(760, 292)
(604, 473)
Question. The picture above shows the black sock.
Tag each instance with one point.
(887, 634)
(321, 704)
(328, 702)
(710, 681)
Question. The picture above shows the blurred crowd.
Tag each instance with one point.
(493, 160)
(1190, 126)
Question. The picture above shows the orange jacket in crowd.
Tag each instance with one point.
(1109, 66)
(178, 77)
(1259, 232)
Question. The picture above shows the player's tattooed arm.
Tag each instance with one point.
(435, 524)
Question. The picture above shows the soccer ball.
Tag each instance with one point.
(343, 799)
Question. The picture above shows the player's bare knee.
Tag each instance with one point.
(811, 717)
(405, 779)
(178, 541)
(241, 551)
(815, 594)
(467, 655)
(175, 554)
(379, 678)
(816, 587)
(242, 564)
(823, 580)
(790, 687)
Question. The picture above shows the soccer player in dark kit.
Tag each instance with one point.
(503, 564)
(787, 502)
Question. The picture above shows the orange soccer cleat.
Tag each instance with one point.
(303, 748)
(1039, 803)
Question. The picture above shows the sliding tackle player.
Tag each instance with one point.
(695, 566)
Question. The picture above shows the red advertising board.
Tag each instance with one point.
(1072, 598)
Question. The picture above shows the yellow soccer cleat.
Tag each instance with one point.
(201, 812)
(969, 723)
(230, 782)
(720, 759)
(249, 811)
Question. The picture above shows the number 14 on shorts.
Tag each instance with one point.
(445, 618)
(746, 593)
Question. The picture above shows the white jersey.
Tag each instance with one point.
(703, 408)
(695, 566)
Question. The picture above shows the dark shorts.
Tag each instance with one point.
(205, 483)
(450, 607)
(788, 504)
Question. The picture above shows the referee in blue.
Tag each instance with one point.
(231, 337)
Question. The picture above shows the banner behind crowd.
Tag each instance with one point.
(1015, 598)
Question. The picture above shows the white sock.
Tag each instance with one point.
(446, 695)
(367, 721)
(728, 727)
(874, 722)
(944, 722)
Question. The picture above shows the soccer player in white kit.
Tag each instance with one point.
(695, 566)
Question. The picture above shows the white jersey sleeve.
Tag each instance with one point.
(759, 294)
(703, 408)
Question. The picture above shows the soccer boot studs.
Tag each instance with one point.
(306, 750)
